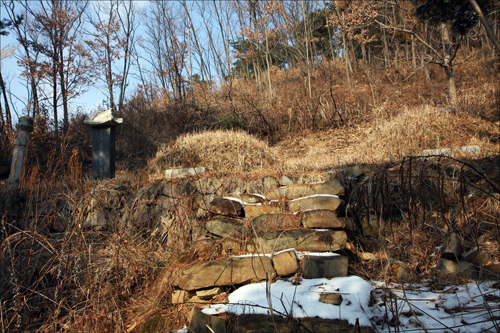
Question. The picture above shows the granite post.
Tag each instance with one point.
(103, 143)
(24, 127)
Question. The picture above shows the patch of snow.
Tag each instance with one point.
(253, 255)
(462, 310)
(258, 195)
(316, 195)
(234, 199)
(302, 301)
(301, 255)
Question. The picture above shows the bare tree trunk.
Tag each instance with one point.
(489, 32)
(413, 55)
(386, 49)
(448, 64)
(8, 116)
(306, 37)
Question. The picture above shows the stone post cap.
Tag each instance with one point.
(25, 124)
(103, 118)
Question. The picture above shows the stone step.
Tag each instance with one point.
(225, 272)
(300, 239)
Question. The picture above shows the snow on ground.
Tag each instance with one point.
(456, 309)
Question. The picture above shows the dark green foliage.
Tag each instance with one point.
(460, 13)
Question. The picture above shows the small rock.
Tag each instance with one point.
(207, 294)
(402, 271)
(413, 322)
(179, 296)
(270, 183)
(287, 180)
(330, 298)
(367, 256)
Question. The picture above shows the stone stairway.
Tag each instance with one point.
(311, 251)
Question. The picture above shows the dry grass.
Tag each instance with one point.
(221, 151)
(409, 133)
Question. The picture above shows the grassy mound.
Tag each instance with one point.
(220, 151)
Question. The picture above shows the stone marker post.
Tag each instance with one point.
(25, 127)
(103, 143)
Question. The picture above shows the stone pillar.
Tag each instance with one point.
(24, 127)
(103, 143)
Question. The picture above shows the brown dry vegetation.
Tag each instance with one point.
(119, 280)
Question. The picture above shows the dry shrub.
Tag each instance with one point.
(405, 211)
(220, 151)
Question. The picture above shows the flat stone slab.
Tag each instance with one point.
(328, 266)
(318, 201)
(321, 219)
(226, 206)
(225, 227)
(295, 191)
(299, 239)
(187, 172)
(472, 150)
(225, 272)
(264, 223)
(254, 210)
(103, 118)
